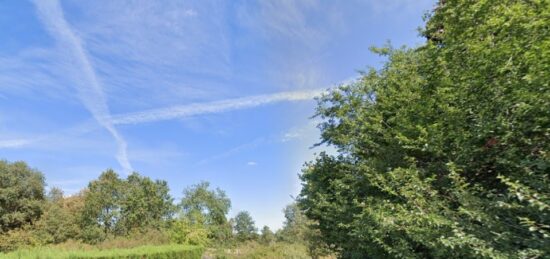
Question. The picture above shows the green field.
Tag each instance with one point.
(163, 251)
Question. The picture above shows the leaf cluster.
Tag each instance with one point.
(445, 150)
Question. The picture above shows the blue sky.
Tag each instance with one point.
(184, 91)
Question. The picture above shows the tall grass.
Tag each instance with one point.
(255, 250)
(155, 252)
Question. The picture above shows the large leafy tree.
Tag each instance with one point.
(21, 195)
(103, 206)
(445, 150)
(115, 206)
(146, 203)
(245, 228)
(200, 205)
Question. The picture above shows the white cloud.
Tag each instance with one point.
(190, 13)
(14, 143)
(212, 107)
(286, 20)
(89, 88)
(20, 72)
(298, 36)
(181, 111)
(251, 163)
(175, 44)
(290, 136)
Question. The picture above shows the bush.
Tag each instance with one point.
(185, 232)
(17, 238)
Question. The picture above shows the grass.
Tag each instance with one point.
(156, 252)
(255, 250)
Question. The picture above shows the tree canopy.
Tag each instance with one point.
(245, 227)
(209, 207)
(444, 151)
(21, 195)
(115, 206)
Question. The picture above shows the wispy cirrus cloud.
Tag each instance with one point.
(212, 107)
(382, 7)
(182, 111)
(89, 88)
(21, 70)
(181, 46)
(298, 35)
(14, 143)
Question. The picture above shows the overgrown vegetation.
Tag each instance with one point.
(255, 250)
(444, 152)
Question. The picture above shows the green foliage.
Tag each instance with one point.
(185, 231)
(57, 224)
(146, 204)
(445, 151)
(17, 238)
(157, 252)
(295, 225)
(103, 207)
(114, 206)
(21, 195)
(208, 207)
(297, 228)
(244, 227)
(267, 236)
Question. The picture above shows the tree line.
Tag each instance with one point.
(112, 207)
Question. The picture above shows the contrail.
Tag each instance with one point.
(89, 88)
(212, 107)
(172, 113)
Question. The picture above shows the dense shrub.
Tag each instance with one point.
(184, 231)
(17, 238)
